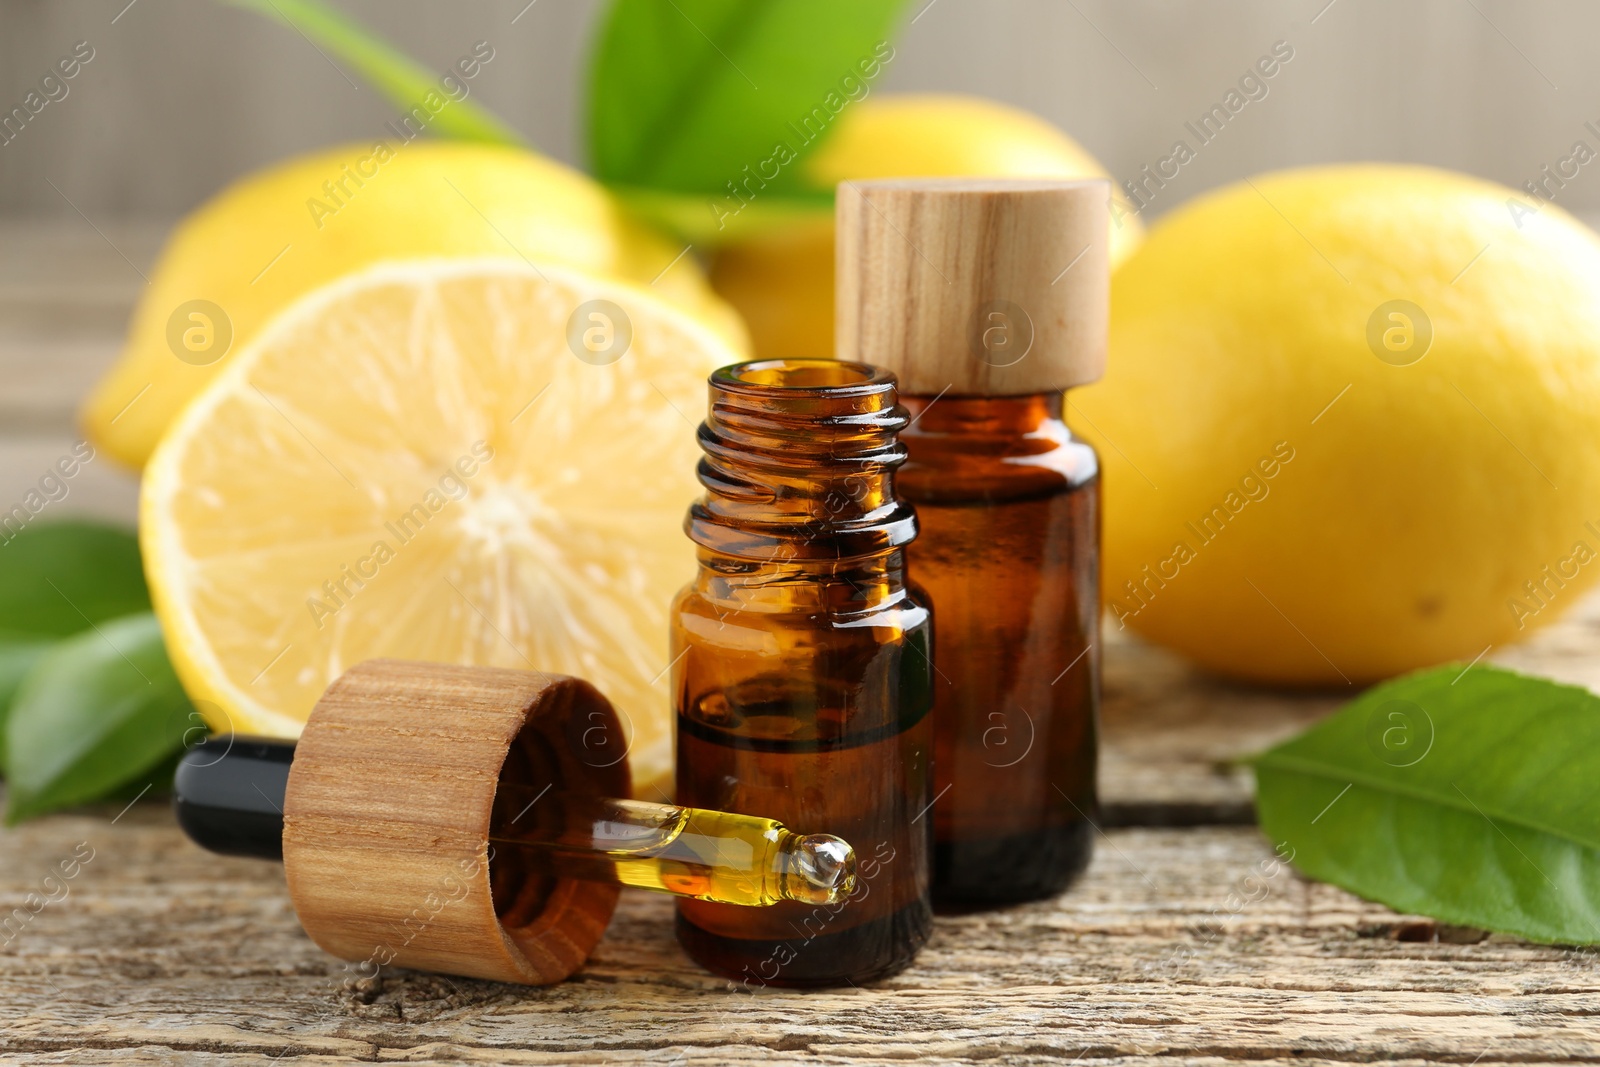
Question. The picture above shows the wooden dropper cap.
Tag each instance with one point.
(386, 818)
(975, 286)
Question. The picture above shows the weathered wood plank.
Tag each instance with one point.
(47, 376)
(1174, 737)
(66, 296)
(71, 255)
(99, 488)
(160, 948)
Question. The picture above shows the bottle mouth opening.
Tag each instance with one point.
(798, 459)
(821, 376)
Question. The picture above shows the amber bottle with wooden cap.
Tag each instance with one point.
(801, 665)
(474, 821)
(988, 299)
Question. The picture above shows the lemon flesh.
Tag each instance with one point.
(781, 281)
(1428, 486)
(414, 463)
(285, 230)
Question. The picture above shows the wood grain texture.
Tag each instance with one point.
(99, 488)
(1182, 944)
(66, 294)
(387, 813)
(1174, 738)
(1167, 951)
(975, 287)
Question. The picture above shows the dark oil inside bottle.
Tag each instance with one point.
(1008, 556)
(781, 747)
(802, 674)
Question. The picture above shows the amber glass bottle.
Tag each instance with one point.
(988, 299)
(801, 666)
(1008, 505)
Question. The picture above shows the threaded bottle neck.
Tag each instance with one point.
(799, 463)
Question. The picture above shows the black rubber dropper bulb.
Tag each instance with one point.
(228, 794)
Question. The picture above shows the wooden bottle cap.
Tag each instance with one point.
(386, 819)
(975, 287)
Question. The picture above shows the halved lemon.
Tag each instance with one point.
(467, 461)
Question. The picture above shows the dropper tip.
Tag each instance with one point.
(827, 868)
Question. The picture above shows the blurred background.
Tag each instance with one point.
(184, 95)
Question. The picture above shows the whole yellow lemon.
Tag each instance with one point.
(283, 231)
(781, 282)
(1350, 423)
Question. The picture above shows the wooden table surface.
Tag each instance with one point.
(160, 953)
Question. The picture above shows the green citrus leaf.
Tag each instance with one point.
(403, 80)
(17, 658)
(97, 713)
(1465, 795)
(59, 578)
(686, 214)
(684, 94)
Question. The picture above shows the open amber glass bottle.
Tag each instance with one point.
(801, 665)
(988, 299)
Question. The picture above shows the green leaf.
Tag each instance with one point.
(1469, 796)
(684, 94)
(100, 711)
(402, 79)
(688, 215)
(59, 578)
(17, 658)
